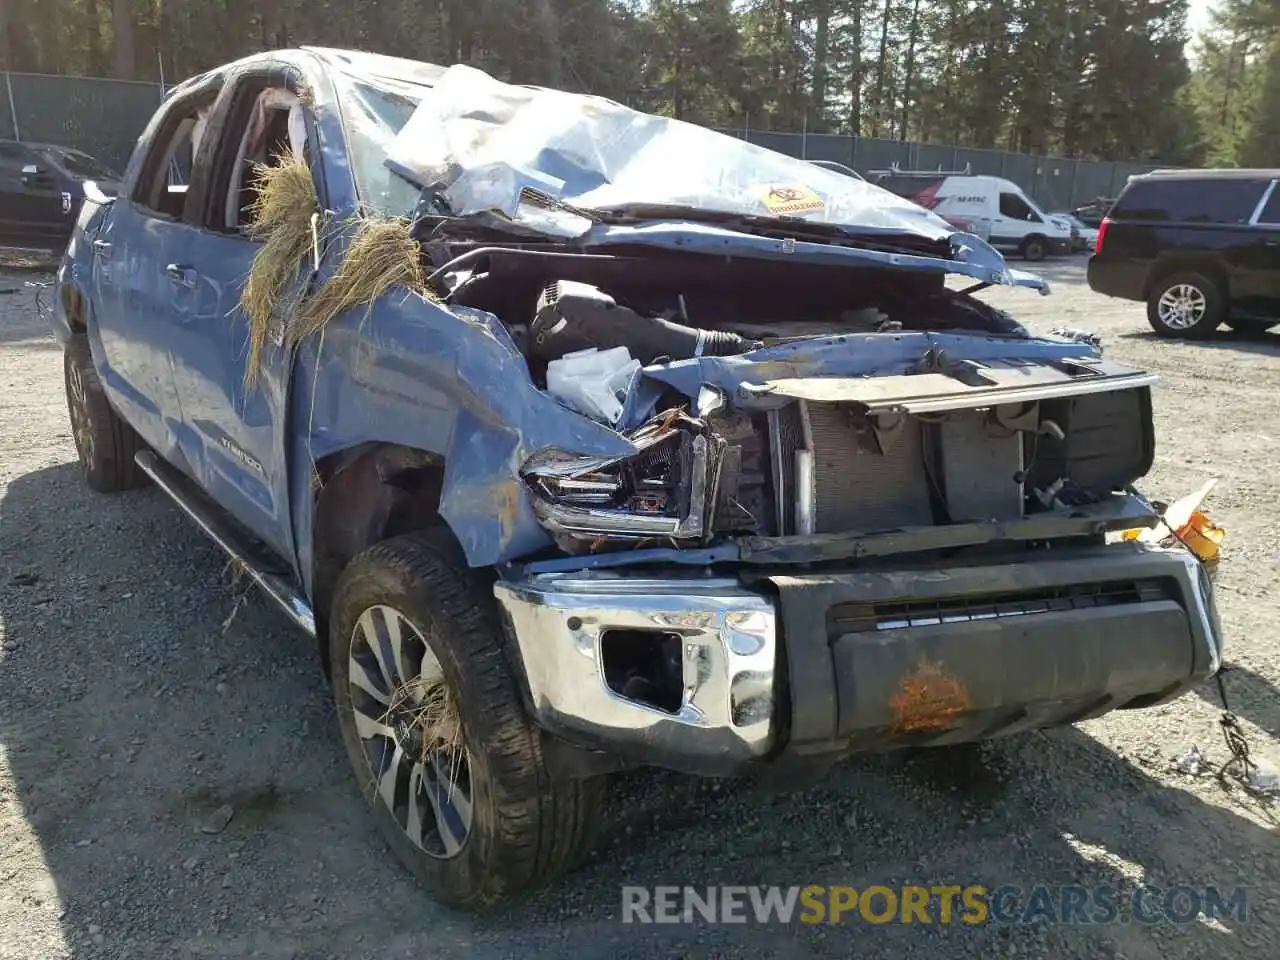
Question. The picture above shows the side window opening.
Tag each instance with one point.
(273, 127)
(1271, 211)
(1203, 200)
(13, 153)
(162, 184)
(1015, 208)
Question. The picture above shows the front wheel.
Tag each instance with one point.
(432, 720)
(1186, 305)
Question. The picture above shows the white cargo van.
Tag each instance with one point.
(1000, 212)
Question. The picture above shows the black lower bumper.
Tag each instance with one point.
(916, 657)
(1116, 278)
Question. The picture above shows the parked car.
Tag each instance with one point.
(1083, 236)
(1199, 247)
(1091, 215)
(699, 464)
(1075, 242)
(41, 187)
(1001, 212)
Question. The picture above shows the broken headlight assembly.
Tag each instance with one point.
(661, 492)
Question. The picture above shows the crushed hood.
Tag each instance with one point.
(486, 140)
(546, 159)
(584, 168)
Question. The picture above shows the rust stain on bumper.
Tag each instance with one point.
(928, 699)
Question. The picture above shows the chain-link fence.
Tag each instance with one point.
(101, 117)
(104, 117)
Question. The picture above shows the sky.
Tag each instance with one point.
(1198, 17)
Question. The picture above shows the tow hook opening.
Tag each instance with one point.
(644, 666)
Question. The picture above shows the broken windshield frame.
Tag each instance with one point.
(372, 114)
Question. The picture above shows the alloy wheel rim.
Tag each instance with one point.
(1182, 306)
(80, 429)
(410, 732)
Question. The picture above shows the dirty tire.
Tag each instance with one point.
(524, 828)
(104, 442)
(1202, 296)
(1033, 249)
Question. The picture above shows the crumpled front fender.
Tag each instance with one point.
(449, 382)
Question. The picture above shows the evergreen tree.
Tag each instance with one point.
(1086, 78)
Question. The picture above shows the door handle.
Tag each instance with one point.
(180, 276)
(101, 249)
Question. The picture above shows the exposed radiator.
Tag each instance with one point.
(982, 466)
(855, 488)
(867, 483)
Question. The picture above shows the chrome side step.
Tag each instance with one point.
(223, 534)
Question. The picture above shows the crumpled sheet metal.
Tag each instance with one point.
(483, 143)
(592, 152)
(450, 382)
(845, 355)
(976, 260)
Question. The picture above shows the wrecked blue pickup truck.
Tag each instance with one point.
(583, 439)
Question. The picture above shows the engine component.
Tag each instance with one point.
(573, 316)
(864, 478)
(1108, 442)
(743, 504)
(593, 382)
(982, 466)
(856, 486)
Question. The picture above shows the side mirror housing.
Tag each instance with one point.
(33, 174)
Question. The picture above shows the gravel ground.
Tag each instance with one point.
(133, 706)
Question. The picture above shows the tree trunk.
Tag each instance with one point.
(909, 75)
(855, 73)
(677, 87)
(122, 27)
(797, 109)
(821, 53)
(882, 67)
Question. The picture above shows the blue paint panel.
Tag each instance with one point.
(138, 310)
(230, 433)
(447, 382)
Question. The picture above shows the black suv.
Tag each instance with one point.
(41, 187)
(1200, 247)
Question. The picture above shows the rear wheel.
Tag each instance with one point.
(1186, 305)
(432, 720)
(1033, 249)
(104, 442)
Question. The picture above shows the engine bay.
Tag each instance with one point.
(792, 451)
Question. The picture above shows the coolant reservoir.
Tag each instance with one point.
(593, 382)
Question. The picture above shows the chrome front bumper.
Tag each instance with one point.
(729, 656)
(871, 658)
